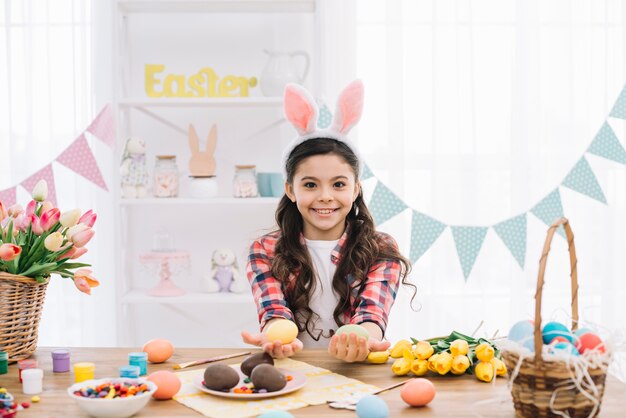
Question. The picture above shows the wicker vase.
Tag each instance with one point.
(21, 302)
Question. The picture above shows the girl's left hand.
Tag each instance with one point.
(352, 348)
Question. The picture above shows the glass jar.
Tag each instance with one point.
(165, 176)
(245, 181)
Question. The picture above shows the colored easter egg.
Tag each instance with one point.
(371, 406)
(564, 348)
(589, 341)
(168, 384)
(276, 414)
(353, 329)
(521, 331)
(555, 329)
(560, 339)
(282, 330)
(159, 350)
(418, 392)
(530, 344)
(581, 331)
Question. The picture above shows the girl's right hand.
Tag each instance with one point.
(275, 349)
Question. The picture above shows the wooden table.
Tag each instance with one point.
(462, 396)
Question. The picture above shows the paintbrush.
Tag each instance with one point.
(209, 360)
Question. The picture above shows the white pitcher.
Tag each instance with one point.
(280, 70)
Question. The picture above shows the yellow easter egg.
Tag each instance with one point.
(282, 330)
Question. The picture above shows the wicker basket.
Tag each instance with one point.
(537, 380)
(21, 302)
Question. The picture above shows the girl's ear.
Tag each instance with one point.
(357, 190)
(349, 108)
(289, 192)
(300, 109)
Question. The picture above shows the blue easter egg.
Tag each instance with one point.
(276, 414)
(581, 331)
(563, 347)
(371, 406)
(521, 332)
(530, 344)
(555, 329)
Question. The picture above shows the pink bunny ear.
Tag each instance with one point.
(300, 109)
(349, 108)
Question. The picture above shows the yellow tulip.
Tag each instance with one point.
(53, 242)
(484, 352)
(459, 347)
(399, 347)
(419, 367)
(484, 371)
(70, 218)
(432, 363)
(401, 366)
(443, 363)
(460, 363)
(423, 350)
(378, 357)
(498, 366)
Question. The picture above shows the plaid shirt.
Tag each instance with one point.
(371, 305)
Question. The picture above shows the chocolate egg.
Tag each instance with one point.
(268, 377)
(220, 377)
(254, 360)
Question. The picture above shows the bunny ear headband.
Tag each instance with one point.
(301, 110)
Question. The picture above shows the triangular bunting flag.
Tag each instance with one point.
(384, 204)
(43, 174)
(468, 241)
(79, 158)
(550, 209)
(582, 179)
(606, 145)
(513, 233)
(367, 173)
(325, 118)
(8, 197)
(619, 108)
(103, 126)
(424, 231)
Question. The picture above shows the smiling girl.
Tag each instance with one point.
(326, 265)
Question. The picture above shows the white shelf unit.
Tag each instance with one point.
(250, 131)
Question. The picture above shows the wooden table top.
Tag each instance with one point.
(457, 396)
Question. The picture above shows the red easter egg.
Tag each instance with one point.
(418, 392)
(589, 341)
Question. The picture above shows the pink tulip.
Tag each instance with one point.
(88, 218)
(68, 254)
(9, 252)
(22, 222)
(78, 253)
(80, 239)
(15, 210)
(50, 218)
(84, 281)
(35, 225)
(30, 208)
(3, 211)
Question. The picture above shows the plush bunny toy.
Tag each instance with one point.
(225, 276)
(301, 110)
(134, 175)
(202, 163)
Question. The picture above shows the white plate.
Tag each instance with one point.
(294, 384)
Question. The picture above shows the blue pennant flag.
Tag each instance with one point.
(385, 204)
(367, 173)
(619, 108)
(606, 145)
(468, 241)
(549, 209)
(325, 117)
(513, 233)
(583, 180)
(424, 232)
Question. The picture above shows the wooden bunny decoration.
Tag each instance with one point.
(202, 164)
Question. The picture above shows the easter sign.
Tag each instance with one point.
(204, 83)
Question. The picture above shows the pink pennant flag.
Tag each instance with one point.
(79, 158)
(8, 197)
(43, 174)
(103, 126)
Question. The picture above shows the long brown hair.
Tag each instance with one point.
(364, 246)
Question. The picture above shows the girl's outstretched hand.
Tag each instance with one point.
(352, 348)
(275, 349)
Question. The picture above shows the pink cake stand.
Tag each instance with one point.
(166, 286)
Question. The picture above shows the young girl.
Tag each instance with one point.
(326, 265)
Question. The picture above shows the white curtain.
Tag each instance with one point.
(475, 111)
(47, 100)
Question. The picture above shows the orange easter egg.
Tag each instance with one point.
(159, 350)
(589, 341)
(168, 384)
(418, 392)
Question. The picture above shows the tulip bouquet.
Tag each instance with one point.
(40, 240)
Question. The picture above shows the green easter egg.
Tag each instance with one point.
(353, 329)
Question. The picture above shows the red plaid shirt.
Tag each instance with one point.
(371, 305)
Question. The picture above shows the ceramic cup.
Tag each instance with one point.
(263, 184)
(277, 184)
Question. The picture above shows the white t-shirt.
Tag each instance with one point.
(323, 300)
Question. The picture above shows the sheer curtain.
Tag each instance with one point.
(47, 100)
(475, 111)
